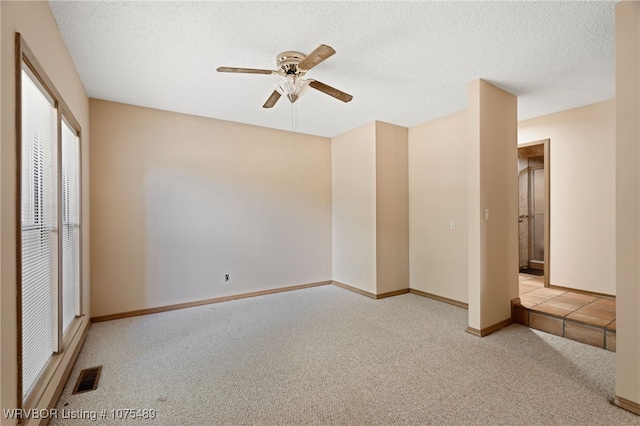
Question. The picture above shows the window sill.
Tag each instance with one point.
(33, 398)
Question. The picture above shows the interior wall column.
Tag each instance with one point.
(392, 208)
(493, 206)
(628, 205)
(370, 209)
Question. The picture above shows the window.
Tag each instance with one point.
(70, 224)
(49, 283)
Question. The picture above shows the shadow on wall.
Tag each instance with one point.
(185, 235)
(200, 227)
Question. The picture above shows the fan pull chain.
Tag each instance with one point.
(294, 123)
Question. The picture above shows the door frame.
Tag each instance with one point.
(547, 206)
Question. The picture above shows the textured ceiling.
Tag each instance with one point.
(404, 62)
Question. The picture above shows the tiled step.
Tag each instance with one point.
(601, 336)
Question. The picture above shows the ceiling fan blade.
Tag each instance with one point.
(272, 100)
(321, 53)
(344, 97)
(244, 70)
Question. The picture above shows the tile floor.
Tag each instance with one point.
(586, 318)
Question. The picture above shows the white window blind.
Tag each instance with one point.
(70, 224)
(39, 223)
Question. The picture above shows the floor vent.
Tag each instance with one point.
(88, 380)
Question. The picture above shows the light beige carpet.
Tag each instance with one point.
(326, 356)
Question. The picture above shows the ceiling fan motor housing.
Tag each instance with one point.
(287, 62)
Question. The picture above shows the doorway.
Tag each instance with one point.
(533, 209)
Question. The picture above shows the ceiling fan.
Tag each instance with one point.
(292, 66)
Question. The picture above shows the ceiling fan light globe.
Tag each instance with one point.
(291, 87)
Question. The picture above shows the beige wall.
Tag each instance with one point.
(179, 201)
(392, 208)
(582, 157)
(493, 186)
(370, 204)
(582, 141)
(353, 186)
(40, 31)
(437, 196)
(627, 199)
